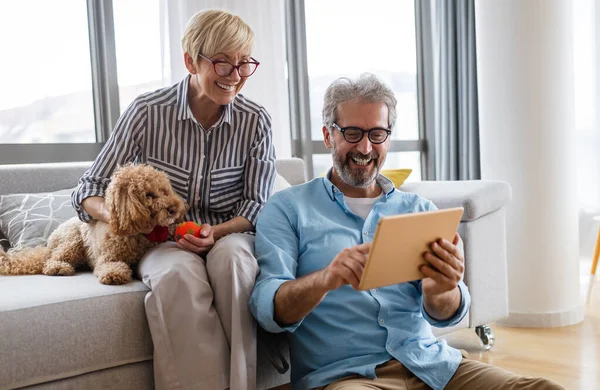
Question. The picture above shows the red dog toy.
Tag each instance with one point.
(188, 227)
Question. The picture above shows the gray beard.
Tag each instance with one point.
(346, 174)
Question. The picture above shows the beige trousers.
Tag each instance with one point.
(203, 333)
(471, 374)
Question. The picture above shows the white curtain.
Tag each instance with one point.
(268, 86)
(586, 56)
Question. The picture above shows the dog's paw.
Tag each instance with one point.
(115, 278)
(109, 272)
(58, 268)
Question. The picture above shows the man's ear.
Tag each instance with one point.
(190, 64)
(327, 137)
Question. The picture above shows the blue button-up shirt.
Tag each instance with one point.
(300, 231)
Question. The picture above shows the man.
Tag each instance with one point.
(312, 243)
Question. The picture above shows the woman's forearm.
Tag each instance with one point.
(234, 225)
(95, 206)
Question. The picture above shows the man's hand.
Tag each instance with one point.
(445, 269)
(346, 268)
(199, 245)
(296, 298)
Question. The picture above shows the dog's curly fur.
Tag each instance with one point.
(138, 198)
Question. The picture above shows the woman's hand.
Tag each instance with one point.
(95, 206)
(199, 245)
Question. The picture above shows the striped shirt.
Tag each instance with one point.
(223, 172)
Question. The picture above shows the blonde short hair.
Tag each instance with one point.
(215, 31)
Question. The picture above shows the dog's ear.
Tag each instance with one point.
(117, 204)
(128, 215)
(139, 215)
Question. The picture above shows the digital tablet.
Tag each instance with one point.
(400, 242)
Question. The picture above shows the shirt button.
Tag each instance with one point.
(389, 349)
(381, 321)
(373, 291)
(366, 233)
(200, 177)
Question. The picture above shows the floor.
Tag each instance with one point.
(568, 355)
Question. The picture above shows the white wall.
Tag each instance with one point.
(268, 86)
(526, 113)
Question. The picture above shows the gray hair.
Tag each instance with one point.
(367, 88)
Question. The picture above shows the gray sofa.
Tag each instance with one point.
(73, 332)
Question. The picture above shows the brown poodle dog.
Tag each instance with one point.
(139, 199)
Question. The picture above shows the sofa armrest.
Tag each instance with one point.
(483, 230)
(292, 169)
(477, 197)
(486, 269)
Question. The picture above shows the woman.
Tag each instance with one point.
(216, 146)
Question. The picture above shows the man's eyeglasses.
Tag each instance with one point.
(223, 68)
(354, 135)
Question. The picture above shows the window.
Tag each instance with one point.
(345, 38)
(410, 160)
(356, 41)
(45, 73)
(140, 66)
(67, 77)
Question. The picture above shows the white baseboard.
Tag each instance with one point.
(544, 320)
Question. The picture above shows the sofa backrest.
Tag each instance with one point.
(32, 178)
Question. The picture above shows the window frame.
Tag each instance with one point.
(105, 92)
(303, 146)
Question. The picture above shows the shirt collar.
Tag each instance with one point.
(386, 185)
(184, 112)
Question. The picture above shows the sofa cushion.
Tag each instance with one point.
(60, 327)
(29, 219)
(397, 176)
(478, 197)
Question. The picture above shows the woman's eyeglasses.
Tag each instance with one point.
(224, 69)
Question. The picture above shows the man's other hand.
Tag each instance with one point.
(445, 268)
